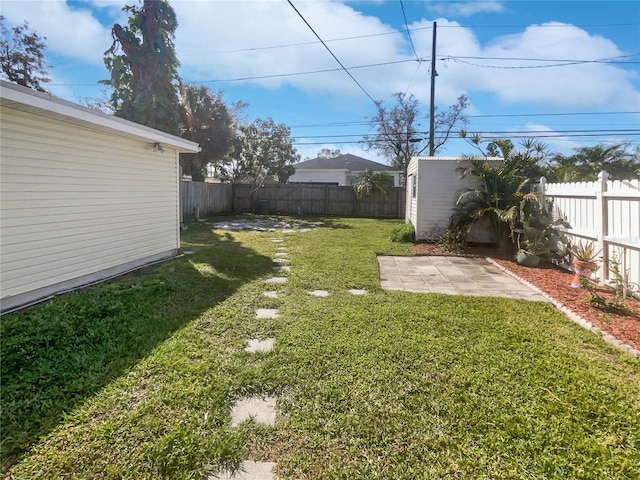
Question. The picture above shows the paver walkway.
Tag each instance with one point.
(452, 275)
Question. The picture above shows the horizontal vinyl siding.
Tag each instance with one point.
(76, 201)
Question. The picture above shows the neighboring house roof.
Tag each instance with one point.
(47, 105)
(346, 162)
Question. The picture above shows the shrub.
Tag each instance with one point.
(453, 240)
(403, 233)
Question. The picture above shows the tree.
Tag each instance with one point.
(206, 120)
(370, 182)
(22, 56)
(144, 76)
(586, 163)
(329, 153)
(397, 137)
(263, 151)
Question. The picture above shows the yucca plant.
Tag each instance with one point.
(585, 252)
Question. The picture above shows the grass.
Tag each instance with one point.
(136, 378)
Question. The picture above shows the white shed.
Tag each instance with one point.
(433, 186)
(84, 195)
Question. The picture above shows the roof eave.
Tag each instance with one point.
(46, 105)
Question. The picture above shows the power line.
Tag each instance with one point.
(506, 135)
(628, 131)
(332, 54)
(406, 25)
(497, 115)
(295, 74)
(380, 34)
(564, 63)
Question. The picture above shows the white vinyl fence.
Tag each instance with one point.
(605, 212)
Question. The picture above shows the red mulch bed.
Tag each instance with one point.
(556, 282)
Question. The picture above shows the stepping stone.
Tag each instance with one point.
(256, 345)
(249, 470)
(262, 410)
(267, 313)
(277, 240)
(189, 252)
(277, 280)
(319, 293)
(277, 268)
(281, 254)
(355, 291)
(270, 294)
(281, 260)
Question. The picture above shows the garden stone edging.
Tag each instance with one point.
(573, 316)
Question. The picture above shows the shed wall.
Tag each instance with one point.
(79, 204)
(438, 187)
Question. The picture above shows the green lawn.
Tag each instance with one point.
(136, 378)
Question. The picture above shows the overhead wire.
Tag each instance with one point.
(406, 25)
(495, 115)
(332, 54)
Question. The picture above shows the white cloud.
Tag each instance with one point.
(579, 86)
(230, 39)
(73, 33)
(466, 9)
(211, 53)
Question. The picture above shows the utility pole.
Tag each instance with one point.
(432, 109)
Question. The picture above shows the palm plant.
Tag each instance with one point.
(370, 182)
(501, 189)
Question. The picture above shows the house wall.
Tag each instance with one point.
(79, 205)
(320, 176)
(438, 186)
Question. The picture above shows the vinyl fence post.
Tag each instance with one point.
(602, 221)
(542, 187)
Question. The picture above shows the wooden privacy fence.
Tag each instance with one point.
(605, 212)
(200, 199)
(310, 199)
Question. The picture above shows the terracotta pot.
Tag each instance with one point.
(582, 270)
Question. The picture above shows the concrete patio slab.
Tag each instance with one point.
(262, 410)
(453, 276)
(249, 470)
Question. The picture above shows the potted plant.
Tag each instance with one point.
(537, 236)
(584, 255)
(532, 245)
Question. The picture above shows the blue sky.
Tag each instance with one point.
(564, 68)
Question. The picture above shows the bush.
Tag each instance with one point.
(453, 240)
(403, 233)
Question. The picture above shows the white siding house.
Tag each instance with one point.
(433, 186)
(342, 170)
(84, 195)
